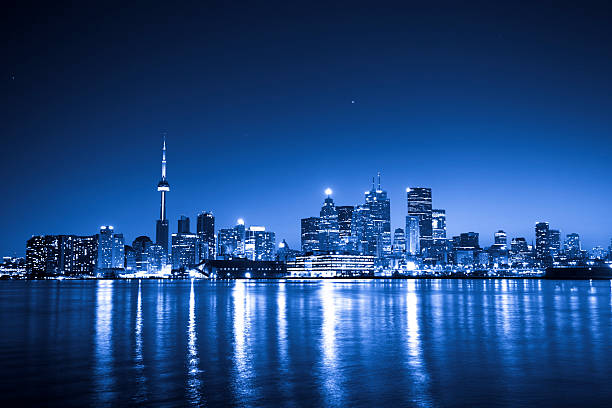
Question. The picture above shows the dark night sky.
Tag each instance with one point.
(504, 110)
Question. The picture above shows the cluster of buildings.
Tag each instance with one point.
(343, 240)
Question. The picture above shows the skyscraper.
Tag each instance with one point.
(184, 251)
(118, 251)
(310, 234)
(345, 219)
(183, 225)
(379, 238)
(54, 255)
(260, 245)
(542, 235)
(329, 230)
(572, 246)
(413, 241)
(105, 247)
(230, 241)
(141, 246)
(206, 235)
(501, 238)
(420, 205)
(554, 242)
(162, 228)
(438, 226)
(399, 242)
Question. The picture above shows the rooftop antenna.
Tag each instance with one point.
(379, 180)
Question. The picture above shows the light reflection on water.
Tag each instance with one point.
(317, 343)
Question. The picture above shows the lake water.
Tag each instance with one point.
(415, 343)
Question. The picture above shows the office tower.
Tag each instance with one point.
(554, 242)
(310, 234)
(519, 251)
(501, 238)
(345, 220)
(118, 251)
(105, 247)
(362, 228)
(438, 226)
(183, 225)
(598, 253)
(55, 255)
(573, 248)
(141, 246)
(399, 242)
(130, 259)
(379, 236)
(206, 235)
(259, 244)
(419, 204)
(157, 258)
(329, 234)
(230, 241)
(162, 228)
(413, 236)
(469, 240)
(184, 251)
(542, 235)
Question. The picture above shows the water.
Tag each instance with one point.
(319, 343)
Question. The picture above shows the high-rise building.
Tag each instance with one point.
(519, 251)
(231, 241)
(498, 252)
(130, 259)
(379, 237)
(183, 225)
(118, 251)
(362, 228)
(345, 220)
(542, 235)
(438, 226)
(162, 227)
(399, 242)
(501, 238)
(206, 235)
(329, 230)
(55, 255)
(310, 234)
(105, 247)
(469, 240)
(573, 248)
(413, 236)
(141, 247)
(184, 251)
(260, 245)
(420, 205)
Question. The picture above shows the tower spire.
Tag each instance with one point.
(163, 163)
(373, 185)
(379, 180)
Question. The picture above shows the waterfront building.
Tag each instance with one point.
(329, 230)
(345, 221)
(206, 235)
(241, 268)
(498, 252)
(331, 265)
(13, 266)
(231, 241)
(61, 255)
(259, 244)
(162, 228)
(399, 243)
(130, 259)
(598, 253)
(420, 205)
(378, 231)
(118, 251)
(362, 228)
(310, 234)
(438, 226)
(542, 235)
(284, 253)
(413, 235)
(105, 247)
(184, 247)
(141, 246)
(520, 252)
(573, 249)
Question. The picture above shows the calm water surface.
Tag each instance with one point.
(319, 343)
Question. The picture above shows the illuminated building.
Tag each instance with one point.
(438, 226)
(420, 205)
(413, 240)
(310, 234)
(329, 230)
(130, 259)
(378, 236)
(362, 228)
(184, 247)
(573, 248)
(259, 244)
(57, 255)
(141, 246)
(331, 265)
(231, 241)
(399, 242)
(345, 220)
(542, 242)
(105, 247)
(206, 235)
(554, 242)
(162, 227)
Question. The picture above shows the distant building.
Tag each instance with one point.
(554, 242)
(573, 248)
(519, 251)
(184, 247)
(438, 224)
(206, 235)
(420, 205)
(345, 221)
(259, 244)
(310, 234)
(231, 241)
(240, 268)
(183, 225)
(329, 229)
(111, 247)
(399, 242)
(331, 265)
(542, 234)
(61, 255)
(130, 259)
(598, 253)
(378, 230)
(413, 235)
(162, 228)
(141, 247)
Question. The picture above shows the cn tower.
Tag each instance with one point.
(162, 229)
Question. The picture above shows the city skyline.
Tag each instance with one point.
(263, 112)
